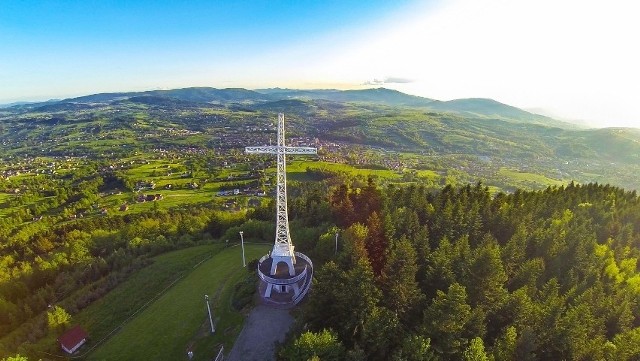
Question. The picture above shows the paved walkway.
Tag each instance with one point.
(263, 328)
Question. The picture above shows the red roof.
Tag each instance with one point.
(73, 337)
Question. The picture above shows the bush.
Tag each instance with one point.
(243, 292)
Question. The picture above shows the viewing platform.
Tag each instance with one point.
(281, 289)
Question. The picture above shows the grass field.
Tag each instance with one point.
(178, 320)
(297, 170)
(528, 180)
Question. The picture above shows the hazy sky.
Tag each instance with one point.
(574, 59)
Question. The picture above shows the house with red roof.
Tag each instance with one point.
(71, 340)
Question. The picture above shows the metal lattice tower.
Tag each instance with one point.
(283, 249)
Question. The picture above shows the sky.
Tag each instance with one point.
(571, 59)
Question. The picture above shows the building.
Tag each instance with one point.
(71, 340)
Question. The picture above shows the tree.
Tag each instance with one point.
(323, 345)
(399, 281)
(354, 244)
(627, 345)
(505, 346)
(58, 318)
(475, 351)
(486, 284)
(358, 299)
(376, 243)
(323, 309)
(445, 321)
(17, 357)
(381, 334)
(343, 301)
(415, 348)
(439, 269)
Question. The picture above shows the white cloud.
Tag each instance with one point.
(388, 80)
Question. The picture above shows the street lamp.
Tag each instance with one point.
(206, 300)
(336, 243)
(242, 243)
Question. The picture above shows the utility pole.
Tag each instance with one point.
(242, 243)
(206, 300)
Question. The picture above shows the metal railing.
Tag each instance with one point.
(307, 284)
(308, 272)
(220, 356)
(283, 281)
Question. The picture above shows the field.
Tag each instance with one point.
(297, 170)
(178, 319)
(528, 180)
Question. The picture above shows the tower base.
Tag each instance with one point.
(282, 289)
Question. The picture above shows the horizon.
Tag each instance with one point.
(571, 61)
(542, 112)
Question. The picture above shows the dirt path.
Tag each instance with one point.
(263, 327)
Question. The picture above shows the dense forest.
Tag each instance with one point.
(459, 274)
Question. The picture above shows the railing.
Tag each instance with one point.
(220, 356)
(307, 285)
(308, 271)
(283, 281)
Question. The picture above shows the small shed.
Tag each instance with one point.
(71, 340)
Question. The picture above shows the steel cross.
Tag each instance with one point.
(282, 246)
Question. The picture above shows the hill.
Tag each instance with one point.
(197, 95)
(479, 138)
(90, 189)
(491, 109)
(379, 96)
(468, 108)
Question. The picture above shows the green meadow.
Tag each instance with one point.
(177, 320)
(297, 170)
(528, 180)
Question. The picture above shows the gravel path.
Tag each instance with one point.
(263, 327)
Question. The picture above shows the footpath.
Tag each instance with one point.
(263, 328)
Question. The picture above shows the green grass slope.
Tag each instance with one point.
(178, 319)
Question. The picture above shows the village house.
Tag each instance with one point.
(71, 340)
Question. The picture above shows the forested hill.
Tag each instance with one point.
(451, 274)
(460, 275)
(463, 140)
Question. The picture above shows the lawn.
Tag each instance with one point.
(178, 320)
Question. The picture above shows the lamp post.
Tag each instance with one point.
(242, 243)
(336, 243)
(206, 300)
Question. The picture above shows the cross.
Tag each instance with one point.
(283, 248)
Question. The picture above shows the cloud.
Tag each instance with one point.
(388, 80)
(395, 80)
(373, 82)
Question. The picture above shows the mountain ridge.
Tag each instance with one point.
(482, 108)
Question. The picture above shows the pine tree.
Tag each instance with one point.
(376, 243)
(398, 280)
(445, 321)
(487, 280)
